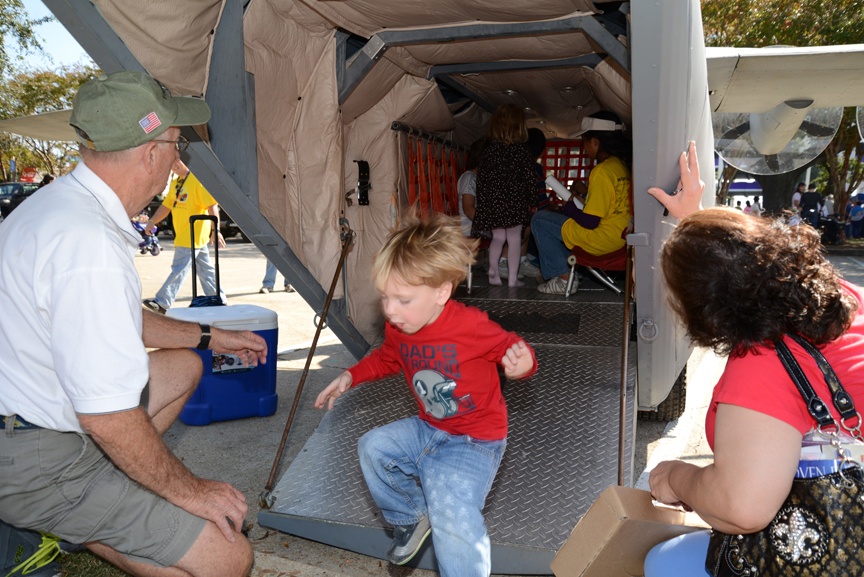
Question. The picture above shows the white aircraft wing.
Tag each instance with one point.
(45, 126)
(758, 79)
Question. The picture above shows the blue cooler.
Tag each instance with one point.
(228, 390)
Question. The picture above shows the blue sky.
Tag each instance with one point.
(58, 44)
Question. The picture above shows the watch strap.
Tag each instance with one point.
(204, 343)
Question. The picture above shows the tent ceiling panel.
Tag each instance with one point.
(560, 98)
(494, 35)
(551, 47)
(378, 83)
(370, 16)
(175, 45)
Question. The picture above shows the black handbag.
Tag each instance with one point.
(819, 530)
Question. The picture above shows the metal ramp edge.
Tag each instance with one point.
(561, 453)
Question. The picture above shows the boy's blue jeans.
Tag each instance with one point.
(413, 470)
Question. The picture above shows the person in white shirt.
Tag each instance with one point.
(89, 380)
(796, 196)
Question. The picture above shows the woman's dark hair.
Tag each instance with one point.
(474, 153)
(536, 142)
(612, 142)
(739, 281)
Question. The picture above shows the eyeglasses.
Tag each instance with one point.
(180, 144)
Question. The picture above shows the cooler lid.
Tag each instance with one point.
(236, 317)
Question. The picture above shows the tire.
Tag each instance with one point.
(155, 250)
(673, 406)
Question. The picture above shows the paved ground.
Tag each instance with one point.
(242, 452)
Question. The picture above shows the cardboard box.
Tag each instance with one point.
(613, 537)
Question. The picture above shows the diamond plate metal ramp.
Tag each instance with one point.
(561, 453)
(594, 324)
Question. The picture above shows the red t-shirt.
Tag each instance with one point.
(759, 382)
(451, 367)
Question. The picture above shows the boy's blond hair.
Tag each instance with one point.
(427, 251)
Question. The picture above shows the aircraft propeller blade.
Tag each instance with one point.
(736, 132)
(773, 162)
(817, 130)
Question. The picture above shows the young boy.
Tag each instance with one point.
(431, 473)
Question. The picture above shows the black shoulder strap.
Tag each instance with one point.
(839, 396)
(818, 410)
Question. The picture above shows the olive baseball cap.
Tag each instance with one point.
(125, 109)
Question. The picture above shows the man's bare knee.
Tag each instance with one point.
(189, 363)
(174, 375)
(214, 556)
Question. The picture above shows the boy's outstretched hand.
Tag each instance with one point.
(334, 390)
(517, 361)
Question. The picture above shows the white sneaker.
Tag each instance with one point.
(526, 269)
(556, 286)
(503, 269)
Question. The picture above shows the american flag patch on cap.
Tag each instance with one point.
(150, 123)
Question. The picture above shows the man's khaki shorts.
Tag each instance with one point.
(63, 484)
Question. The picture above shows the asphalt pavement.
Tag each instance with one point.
(242, 452)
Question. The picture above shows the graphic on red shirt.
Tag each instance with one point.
(451, 368)
(441, 358)
(435, 391)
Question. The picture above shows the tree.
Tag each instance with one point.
(724, 182)
(760, 23)
(17, 27)
(843, 160)
(34, 92)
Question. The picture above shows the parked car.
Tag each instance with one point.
(14, 193)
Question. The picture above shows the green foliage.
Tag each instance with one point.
(34, 92)
(17, 27)
(759, 23)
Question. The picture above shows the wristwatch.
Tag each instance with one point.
(204, 344)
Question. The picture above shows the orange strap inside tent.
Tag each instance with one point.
(452, 182)
(423, 200)
(445, 180)
(412, 172)
(435, 177)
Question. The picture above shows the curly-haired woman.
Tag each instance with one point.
(740, 283)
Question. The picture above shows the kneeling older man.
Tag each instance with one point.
(83, 404)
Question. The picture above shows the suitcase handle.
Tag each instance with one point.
(192, 220)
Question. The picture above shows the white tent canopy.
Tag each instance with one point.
(45, 126)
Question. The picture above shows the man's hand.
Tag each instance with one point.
(135, 447)
(250, 347)
(517, 361)
(334, 390)
(218, 502)
(216, 237)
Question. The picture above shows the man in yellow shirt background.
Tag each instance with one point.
(187, 197)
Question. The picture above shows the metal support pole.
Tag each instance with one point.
(625, 353)
(266, 499)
